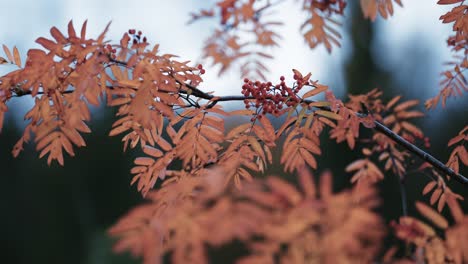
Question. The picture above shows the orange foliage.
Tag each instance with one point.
(434, 248)
(454, 82)
(241, 16)
(268, 216)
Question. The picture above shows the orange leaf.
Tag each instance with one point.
(463, 155)
(319, 88)
(356, 165)
(285, 125)
(429, 187)
(432, 215)
(162, 143)
(435, 195)
(284, 189)
(17, 57)
(238, 130)
(144, 161)
(448, 2)
(310, 145)
(456, 139)
(297, 73)
(71, 30)
(46, 43)
(154, 152)
(8, 53)
(306, 181)
(256, 147)
(269, 129)
(118, 130)
(58, 36)
(308, 158)
(326, 185)
(329, 114)
(441, 203)
(83, 30)
(406, 105)
(411, 128)
(245, 112)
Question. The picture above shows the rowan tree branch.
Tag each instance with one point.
(378, 126)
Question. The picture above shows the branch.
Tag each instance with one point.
(420, 153)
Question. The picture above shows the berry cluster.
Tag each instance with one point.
(110, 51)
(427, 142)
(335, 6)
(269, 98)
(136, 36)
(200, 67)
(412, 140)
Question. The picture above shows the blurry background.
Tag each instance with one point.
(60, 214)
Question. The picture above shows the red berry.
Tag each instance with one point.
(131, 31)
(202, 71)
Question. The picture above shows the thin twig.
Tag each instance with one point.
(401, 182)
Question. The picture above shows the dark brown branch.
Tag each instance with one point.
(420, 153)
(19, 93)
